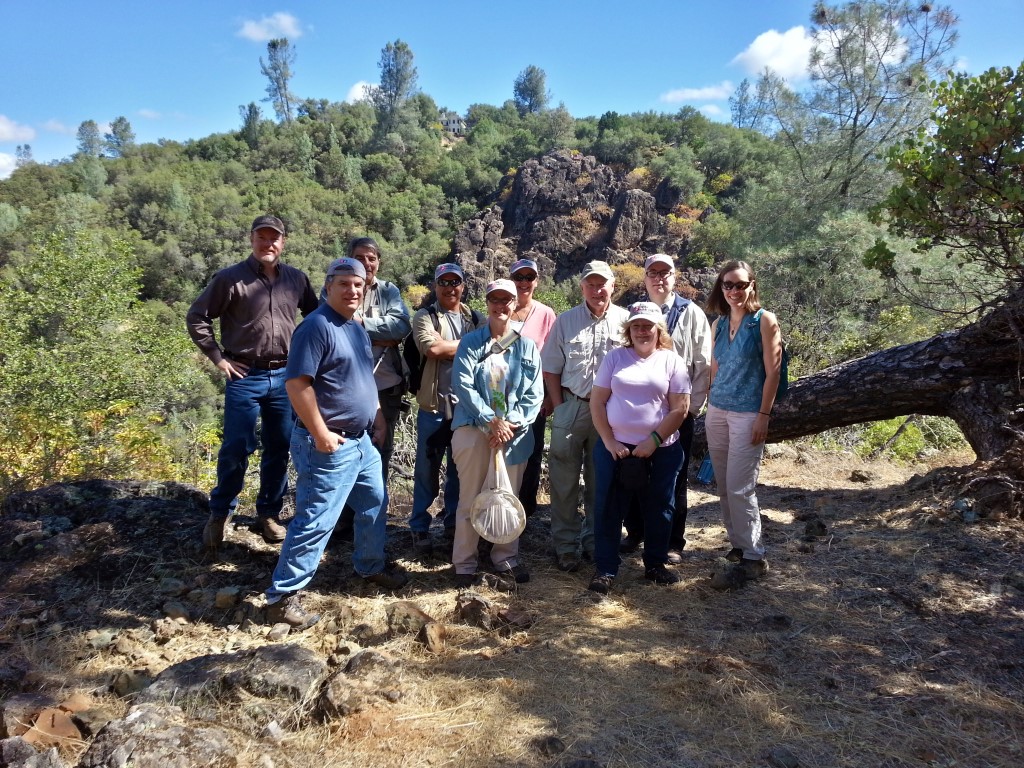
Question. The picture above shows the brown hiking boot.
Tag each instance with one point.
(389, 579)
(213, 532)
(289, 610)
(754, 569)
(272, 531)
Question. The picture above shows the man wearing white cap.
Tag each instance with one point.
(691, 336)
(572, 354)
(330, 383)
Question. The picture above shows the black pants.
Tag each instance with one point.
(531, 475)
(634, 521)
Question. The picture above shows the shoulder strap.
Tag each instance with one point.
(675, 312)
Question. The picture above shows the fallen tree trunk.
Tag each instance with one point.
(972, 375)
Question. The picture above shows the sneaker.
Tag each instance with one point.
(272, 531)
(675, 557)
(568, 562)
(735, 555)
(630, 544)
(519, 573)
(213, 532)
(754, 569)
(289, 610)
(464, 580)
(601, 583)
(388, 579)
(659, 574)
(422, 544)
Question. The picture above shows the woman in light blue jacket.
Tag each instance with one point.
(497, 379)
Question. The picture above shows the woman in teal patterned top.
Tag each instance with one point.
(745, 367)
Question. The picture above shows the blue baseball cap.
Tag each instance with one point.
(523, 264)
(448, 269)
(346, 266)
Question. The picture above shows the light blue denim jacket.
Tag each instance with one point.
(524, 389)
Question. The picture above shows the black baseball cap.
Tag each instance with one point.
(268, 221)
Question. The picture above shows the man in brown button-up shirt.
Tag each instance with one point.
(257, 301)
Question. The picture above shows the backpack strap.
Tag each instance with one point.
(675, 312)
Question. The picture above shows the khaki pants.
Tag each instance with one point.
(737, 465)
(573, 438)
(472, 456)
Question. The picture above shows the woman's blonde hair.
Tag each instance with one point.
(664, 340)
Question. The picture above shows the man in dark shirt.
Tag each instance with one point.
(256, 302)
(331, 386)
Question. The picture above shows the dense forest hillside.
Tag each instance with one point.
(101, 253)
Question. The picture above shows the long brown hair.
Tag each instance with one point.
(717, 305)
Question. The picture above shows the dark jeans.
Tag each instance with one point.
(531, 475)
(258, 395)
(612, 500)
(634, 516)
(433, 444)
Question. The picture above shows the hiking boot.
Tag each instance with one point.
(519, 573)
(601, 583)
(388, 579)
(272, 531)
(675, 557)
(630, 544)
(289, 610)
(422, 544)
(568, 562)
(464, 580)
(659, 574)
(754, 569)
(213, 532)
(735, 555)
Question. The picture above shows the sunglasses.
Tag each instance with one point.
(454, 283)
(741, 286)
(499, 300)
(524, 278)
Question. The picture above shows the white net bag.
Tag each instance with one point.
(496, 514)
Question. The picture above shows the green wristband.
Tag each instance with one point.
(657, 439)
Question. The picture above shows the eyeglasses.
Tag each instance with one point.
(524, 278)
(659, 275)
(455, 283)
(499, 300)
(741, 286)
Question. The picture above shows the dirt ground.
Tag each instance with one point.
(893, 638)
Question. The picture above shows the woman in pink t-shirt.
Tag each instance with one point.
(534, 320)
(640, 397)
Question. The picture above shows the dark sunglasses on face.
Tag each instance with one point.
(454, 283)
(524, 278)
(499, 299)
(741, 286)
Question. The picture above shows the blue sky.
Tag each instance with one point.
(180, 70)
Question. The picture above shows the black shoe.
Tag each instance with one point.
(568, 562)
(754, 569)
(630, 544)
(464, 580)
(388, 579)
(659, 574)
(422, 544)
(289, 610)
(601, 583)
(735, 555)
(519, 573)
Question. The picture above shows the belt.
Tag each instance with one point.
(259, 362)
(343, 433)
(573, 395)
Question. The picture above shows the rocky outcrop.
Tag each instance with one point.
(562, 210)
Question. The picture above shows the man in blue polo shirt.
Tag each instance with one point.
(329, 379)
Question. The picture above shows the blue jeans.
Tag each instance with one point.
(326, 482)
(433, 443)
(613, 501)
(260, 394)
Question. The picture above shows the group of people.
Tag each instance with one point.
(622, 388)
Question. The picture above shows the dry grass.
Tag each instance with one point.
(894, 640)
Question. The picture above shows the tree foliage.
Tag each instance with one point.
(278, 71)
(530, 91)
(120, 138)
(397, 84)
(89, 142)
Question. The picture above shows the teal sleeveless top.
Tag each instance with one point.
(740, 379)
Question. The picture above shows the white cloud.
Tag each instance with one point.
(961, 65)
(358, 92)
(56, 126)
(12, 131)
(269, 27)
(7, 164)
(786, 53)
(712, 110)
(149, 114)
(708, 93)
